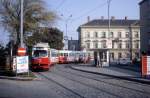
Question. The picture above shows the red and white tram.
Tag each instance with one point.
(43, 57)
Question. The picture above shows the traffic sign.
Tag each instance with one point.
(21, 51)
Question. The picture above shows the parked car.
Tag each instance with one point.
(124, 61)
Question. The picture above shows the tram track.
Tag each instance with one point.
(104, 91)
(98, 80)
(57, 83)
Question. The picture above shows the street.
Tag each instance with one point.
(63, 82)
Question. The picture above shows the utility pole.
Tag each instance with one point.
(109, 1)
(66, 35)
(21, 25)
(108, 15)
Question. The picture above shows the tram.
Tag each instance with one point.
(43, 57)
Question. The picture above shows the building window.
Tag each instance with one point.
(136, 45)
(120, 44)
(96, 45)
(136, 35)
(112, 56)
(127, 44)
(127, 34)
(119, 55)
(88, 35)
(119, 34)
(103, 44)
(127, 55)
(88, 45)
(111, 34)
(103, 35)
(137, 55)
(96, 34)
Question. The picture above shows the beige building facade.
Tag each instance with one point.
(122, 40)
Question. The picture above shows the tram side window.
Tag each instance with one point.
(54, 54)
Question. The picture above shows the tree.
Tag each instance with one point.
(53, 36)
(35, 14)
(2, 55)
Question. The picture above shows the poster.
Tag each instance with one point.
(22, 64)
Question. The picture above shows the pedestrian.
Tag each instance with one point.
(98, 61)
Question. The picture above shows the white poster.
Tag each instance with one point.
(22, 64)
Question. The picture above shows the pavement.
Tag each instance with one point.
(4, 75)
(128, 72)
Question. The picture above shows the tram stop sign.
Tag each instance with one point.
(21, 51)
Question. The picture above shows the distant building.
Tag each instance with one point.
(123, 40)
(73, 44)
(145, 25)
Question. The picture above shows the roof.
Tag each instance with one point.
(115, 22)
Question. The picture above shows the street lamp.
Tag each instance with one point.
(108, 1)
(66, 35)
(109, 42)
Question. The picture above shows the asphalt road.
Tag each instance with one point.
(63, 82)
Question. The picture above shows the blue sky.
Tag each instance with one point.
(80, 9)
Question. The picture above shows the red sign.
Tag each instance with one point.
(21, 51)
(145, 65)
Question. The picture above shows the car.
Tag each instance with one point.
(124, 61)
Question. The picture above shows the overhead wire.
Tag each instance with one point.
(90, 11)
(61, 3)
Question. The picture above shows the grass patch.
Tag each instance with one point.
(13, 74)
(30, 74)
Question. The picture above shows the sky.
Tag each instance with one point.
(80, 9)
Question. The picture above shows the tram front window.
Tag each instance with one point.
(40, 53)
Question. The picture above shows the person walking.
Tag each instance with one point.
(98, 61)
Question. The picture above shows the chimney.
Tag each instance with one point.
(88, 18)
(112, 17)
(126, 18)
(102, 17)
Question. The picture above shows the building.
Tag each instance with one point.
(122, 40)
(73, 45)
(145, 25)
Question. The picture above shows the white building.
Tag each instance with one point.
(123, 40)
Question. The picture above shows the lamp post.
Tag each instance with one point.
(108, 1)
(21, 25)
(110, 42)
(66, 27)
